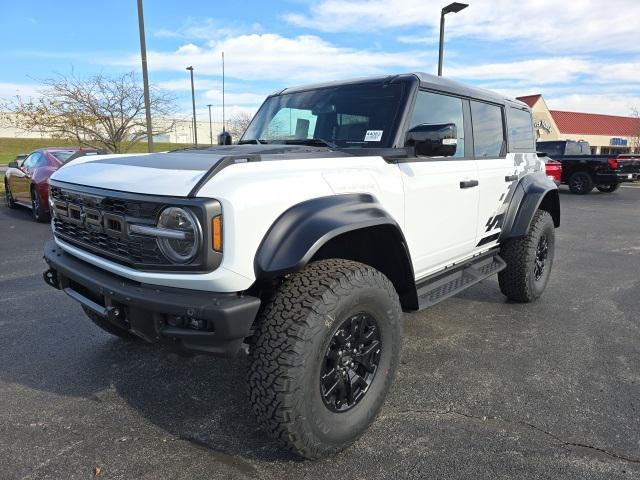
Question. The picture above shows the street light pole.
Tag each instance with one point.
(193, 101)
(224, 124)
(210, 126)
(145, 77)
(454, 7)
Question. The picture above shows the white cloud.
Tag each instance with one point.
(542, 71)
(253, 99)
(260, 57)
(611, 104)
(578, 26)
(205, 29)
(184, 84)
(25, 90)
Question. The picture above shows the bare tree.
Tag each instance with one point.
(238, 123)
(100, 112)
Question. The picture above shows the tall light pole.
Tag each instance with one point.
(454, 7)
(193, 101)
(145, 77)
(210, 126)
(223, 117)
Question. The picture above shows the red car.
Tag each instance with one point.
(26, 182)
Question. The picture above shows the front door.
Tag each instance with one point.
(441, 193)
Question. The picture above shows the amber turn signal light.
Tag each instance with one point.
(216, 233)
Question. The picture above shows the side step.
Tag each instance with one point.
(457, 278)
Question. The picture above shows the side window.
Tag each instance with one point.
(292, 124)
(30, 161)
(488, 130)
(434, 108)
(40, 160)
(520, 130)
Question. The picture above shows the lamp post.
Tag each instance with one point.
(145, 77)
(454, 7)
(210, 126)
(193, 101)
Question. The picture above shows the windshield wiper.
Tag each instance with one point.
(312, 141)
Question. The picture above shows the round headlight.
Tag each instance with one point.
(186, 244)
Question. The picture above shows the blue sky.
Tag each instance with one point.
(582, 55)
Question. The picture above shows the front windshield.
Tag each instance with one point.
(360, 115)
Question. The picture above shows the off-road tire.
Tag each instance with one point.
(518, 280)
(580, 183)
(293, 333)
(608, 188)
(107, 326)
(38, 211)
(8, 197)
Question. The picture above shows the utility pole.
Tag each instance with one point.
(193, 101)
(454, 7)
(224, 118)
(210, 126)
(145, 77)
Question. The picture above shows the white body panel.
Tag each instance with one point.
(441, 222)
(440, 217)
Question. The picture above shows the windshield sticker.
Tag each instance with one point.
(373, 136)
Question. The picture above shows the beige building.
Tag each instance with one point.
(605, 133)
(181, 132)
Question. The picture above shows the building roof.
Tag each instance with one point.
(530, 100)
(595, 124)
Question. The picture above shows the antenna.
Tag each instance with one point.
(223, 116)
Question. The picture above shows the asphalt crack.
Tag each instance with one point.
(563, 443)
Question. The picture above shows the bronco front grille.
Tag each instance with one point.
(140, 250)
(97, 220)
(99, 223)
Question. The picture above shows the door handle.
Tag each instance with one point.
(511, 178)
(469, 183)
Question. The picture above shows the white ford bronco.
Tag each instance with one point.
(342, 205)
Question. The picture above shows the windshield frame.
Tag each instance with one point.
(396, 138)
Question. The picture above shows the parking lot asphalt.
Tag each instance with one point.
(486, 388)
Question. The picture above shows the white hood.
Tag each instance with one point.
(173, 174)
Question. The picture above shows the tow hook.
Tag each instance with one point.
(51, 278)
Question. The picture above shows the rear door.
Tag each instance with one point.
(441, 194)
(496, 169)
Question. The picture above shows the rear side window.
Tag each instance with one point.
(520, 130)
(433, 108)
(552, 149)
(573, 148)
(488, 130)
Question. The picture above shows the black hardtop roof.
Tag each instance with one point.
(426, 80)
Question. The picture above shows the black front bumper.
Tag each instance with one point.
(197, 321)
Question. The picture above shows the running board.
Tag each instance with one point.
(457, 278)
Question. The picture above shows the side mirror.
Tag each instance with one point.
(224, 138)
(13, 164)
(433, 139)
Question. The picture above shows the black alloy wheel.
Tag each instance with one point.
(608, 188)
(8, 197)
(542, 253)
(350, 362)
(39, 215)
(580, 183)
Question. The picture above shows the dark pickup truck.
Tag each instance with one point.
(582, 171)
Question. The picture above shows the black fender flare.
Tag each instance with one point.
(534, 191)
(297, 234)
